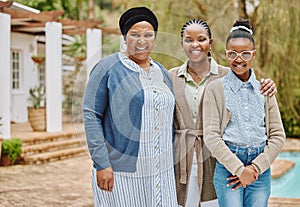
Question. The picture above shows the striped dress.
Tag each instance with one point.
(153, 183)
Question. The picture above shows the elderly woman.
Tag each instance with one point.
(128, 116)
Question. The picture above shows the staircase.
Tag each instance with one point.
(42, 147)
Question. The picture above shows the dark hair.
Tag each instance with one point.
(199, 22)
(241, 29)
(196, 21)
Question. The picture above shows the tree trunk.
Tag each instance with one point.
(91, 9)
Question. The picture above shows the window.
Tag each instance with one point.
(16, 69)
(42, 74)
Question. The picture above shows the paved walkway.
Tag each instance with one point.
(64, 183)
(67, 183)
(57, 184)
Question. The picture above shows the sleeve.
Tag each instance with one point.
(213, 121)
(94, 106)
(276, 137)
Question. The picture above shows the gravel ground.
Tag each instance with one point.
(57, 184)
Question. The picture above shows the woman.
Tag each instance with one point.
(194, 166)
(242, 128)
(128, 114)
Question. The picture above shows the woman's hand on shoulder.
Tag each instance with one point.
(268, 87)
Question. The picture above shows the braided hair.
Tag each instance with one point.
(199, 22)
(196, 21)
(241, 29)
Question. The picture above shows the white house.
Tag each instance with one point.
(21, 29)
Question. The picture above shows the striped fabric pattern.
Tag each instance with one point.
(153, 183)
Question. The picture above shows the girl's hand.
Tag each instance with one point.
(268, 87)
(235, 182)
(249, 175)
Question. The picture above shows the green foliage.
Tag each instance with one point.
(12, 148)
(104, 4)
(77, 9)
(278, 44)
(37, 94)
(42, 5)
(77, 48)
(71, 96)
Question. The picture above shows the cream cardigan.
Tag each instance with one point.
(216, 118)
(187, 137)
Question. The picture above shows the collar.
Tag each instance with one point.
(235, 83)
(131, 64)
(182, 71)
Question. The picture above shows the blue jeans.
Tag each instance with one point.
(256, 194)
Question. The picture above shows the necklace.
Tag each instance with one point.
(197, 78)
(144, 65)
(192, 72)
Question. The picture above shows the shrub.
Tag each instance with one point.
(12, 148)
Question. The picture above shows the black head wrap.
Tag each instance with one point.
(135, 15)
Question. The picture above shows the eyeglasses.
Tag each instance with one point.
(245, 55)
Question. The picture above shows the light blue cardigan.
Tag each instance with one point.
(112, 112)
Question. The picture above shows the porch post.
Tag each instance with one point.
(54, 76)
(5, 75)
(93, 48)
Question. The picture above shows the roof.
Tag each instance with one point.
(28, 20)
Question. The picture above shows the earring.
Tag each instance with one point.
(123, 47)
(209, 52)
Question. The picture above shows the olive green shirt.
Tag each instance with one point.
(193, 90)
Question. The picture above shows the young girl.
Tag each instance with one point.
(242, 128)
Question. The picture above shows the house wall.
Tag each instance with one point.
(27, 44)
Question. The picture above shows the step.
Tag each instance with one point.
(287, 202)
(50, 146)
(48, 137)
(54, 155)
(280, 167)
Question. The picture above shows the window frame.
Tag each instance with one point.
(18, 70)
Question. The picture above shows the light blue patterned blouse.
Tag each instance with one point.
(246, 104)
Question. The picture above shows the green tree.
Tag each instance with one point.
(278, 45)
